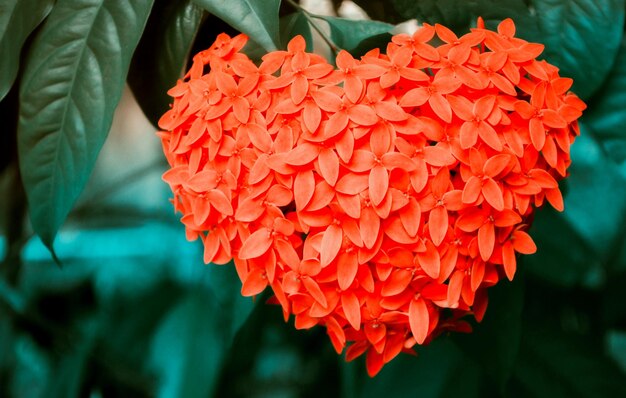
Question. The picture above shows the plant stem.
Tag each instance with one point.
(309, 17)
(15, 212)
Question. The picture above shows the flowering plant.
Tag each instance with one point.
(380, 198)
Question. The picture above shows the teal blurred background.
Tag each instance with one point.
(133, 311)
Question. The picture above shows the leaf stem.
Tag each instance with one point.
(309, 17)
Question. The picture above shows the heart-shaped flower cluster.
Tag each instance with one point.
(375, 195)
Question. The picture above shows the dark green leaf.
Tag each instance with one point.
(613, 303)
(226, 288)
(256, 18)
(73, 81)
(581, 244)
(554, 364)
(616, 341)
(595, 204)
(6, 12)
(423, 376)
(123, 333)
(348, 34)
(581, 36)
(606, 115)
(162, 54)
(381, 10)
(295, 24)
(30, 370)
(494, 343)
(123, 339)
(562, 255)
(459, 15)
(71, 363)
(191, 344)
(18, 18)
(379, 41)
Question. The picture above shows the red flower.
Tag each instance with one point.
(373, 197)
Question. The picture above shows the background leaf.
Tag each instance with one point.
(382, 10)
(73, 81)
(577, 33)
(459, 15)
(559, 365)
(192, 341)
(348, 34)
(256, 18)
(425, 376)
(606, 116)
(562, 254)
(588, 30)
(18, 18)
(295, 24)
(162, 54)
(495, 342)
(581, 244)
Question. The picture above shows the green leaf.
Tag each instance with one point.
(381, 10)
(616, 342)
(606, 115)
(579, 245)
(18, 18)
(555, 364)
(73, 81)
(256, 18)
(162, 54)
(495, 342)
(189, 349)
(613, 303)
(295, 24)
(581, 36)
(426, 375)
(562, 254)
(595, 204)
(72, 360)
(459, 15)
(589, 36)
(348, 34)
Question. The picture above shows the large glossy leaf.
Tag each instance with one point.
(582, 243)
(595, 204)
(606, 116)
(581, 36)
(73, 81)
(18, 18)
(256, 18)
(162, 54)
(348, 34)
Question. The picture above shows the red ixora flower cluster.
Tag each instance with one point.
(374, 195)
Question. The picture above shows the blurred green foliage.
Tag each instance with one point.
(133, 312)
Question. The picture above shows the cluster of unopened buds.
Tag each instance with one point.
(378, 198)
